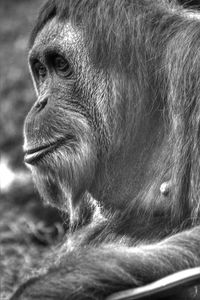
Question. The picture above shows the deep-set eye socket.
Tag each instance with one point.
(40, 70)
(62, 66)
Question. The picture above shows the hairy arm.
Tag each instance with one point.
(94, 273)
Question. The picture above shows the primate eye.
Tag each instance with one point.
(62, 66)
(40, 69)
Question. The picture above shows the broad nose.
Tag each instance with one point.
(41, 103)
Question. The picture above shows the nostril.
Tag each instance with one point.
(41, 103)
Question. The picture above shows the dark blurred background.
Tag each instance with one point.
(27, 229)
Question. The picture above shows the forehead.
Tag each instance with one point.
(59, 35)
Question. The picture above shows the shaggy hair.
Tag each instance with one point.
(151, 50)
(110, 31)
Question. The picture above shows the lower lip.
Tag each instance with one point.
(32, 156)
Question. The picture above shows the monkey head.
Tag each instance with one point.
(97, 124)
(66, 133)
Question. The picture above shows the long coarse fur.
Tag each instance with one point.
(154, 47)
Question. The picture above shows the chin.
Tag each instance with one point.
(62, 172)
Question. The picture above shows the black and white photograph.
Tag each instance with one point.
(99, 149)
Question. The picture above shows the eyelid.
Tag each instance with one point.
(32, 62)
(48, 54)
(48, 60)
(66, 70)
(60, 62)
(51, 54)
(36, 80)
(37, 67)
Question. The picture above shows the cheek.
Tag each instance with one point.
(63, 174)
(55, 121)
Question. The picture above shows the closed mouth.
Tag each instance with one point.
(31, 156)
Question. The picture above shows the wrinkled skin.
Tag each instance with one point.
(120, 126)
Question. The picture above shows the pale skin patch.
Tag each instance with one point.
(187, 14)
(165, 188)
(192, 15)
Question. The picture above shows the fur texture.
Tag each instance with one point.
(131, 117)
